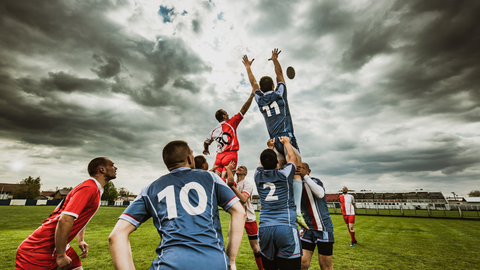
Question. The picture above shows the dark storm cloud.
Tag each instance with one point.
(108, 68)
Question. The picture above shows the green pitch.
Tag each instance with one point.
(384, 242)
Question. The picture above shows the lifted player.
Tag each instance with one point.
(243, 189)
(273, 105)
(225, 134)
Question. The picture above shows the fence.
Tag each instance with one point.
(21, 202)
(432, 211)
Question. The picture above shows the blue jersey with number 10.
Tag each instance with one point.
(184, 207)
(274, 107)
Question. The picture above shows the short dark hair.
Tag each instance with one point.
(268, 158)
(219, 115)
(266, 83)
(175, 152)
(199, 161)
(95, 163)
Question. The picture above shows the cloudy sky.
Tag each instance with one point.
(386, 96)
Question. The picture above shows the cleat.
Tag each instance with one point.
(355, 242)
(351, 244)
(301, 222)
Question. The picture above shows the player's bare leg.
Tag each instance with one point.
(306, 258)
(325, 262)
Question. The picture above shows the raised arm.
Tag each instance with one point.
(119, 243)
(247, 104)
(229, 168)
(251, 78)
(292, 157)
(278, 67)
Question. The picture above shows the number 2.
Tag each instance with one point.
(169, 194)
(273, 105)
(270, 196)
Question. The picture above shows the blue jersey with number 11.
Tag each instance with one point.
(184, 207)
(274, 107)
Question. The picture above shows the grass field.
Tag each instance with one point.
(384, 242)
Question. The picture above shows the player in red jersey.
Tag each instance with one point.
(347, 204)
(47, 247)
(225, 134)
(244, 189)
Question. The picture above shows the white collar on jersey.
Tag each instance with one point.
(180, 169)
(98, 184)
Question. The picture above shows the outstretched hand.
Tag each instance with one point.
(275, 54)
(231, 165)
(246, 62)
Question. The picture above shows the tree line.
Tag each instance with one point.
(29, 188)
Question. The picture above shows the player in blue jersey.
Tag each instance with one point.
(317, 217)
(278, 236)
(273, 105)
(184, 207)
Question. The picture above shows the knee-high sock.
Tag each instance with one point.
(297, 193)
(258, 260)
(352, 236)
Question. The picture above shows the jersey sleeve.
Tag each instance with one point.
(137, 212)
(281, 88)
(236, 119)
(225, 196)
(79, 199)
(248, 188)
(288, 169)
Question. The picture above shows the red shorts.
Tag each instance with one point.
(252, 229)
(223, 159)
(350, 219)
(42, 261)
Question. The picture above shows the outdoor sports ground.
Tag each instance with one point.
(384, 242)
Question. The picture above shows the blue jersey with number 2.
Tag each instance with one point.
(184, 207)
(274, 107)
(275, 189)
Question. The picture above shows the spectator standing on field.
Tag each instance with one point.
(347, 204)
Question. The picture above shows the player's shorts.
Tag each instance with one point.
(191, 257)
(252, 230)
(43, 261)
(279, 241)
(349, 219)
(323, 240)
(223, 159)
(279, 148)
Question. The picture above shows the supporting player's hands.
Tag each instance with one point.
(230, 167)
(63, 262)
(246, 62)
(214, 168)
(84, 248)
(271, 143)
(275, 54)
(284, 140)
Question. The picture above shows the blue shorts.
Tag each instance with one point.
(279, 148)
(279, 241)
(203, 258)
(314, 237)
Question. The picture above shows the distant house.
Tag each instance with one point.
(6, 190)
(46, 195)
(61, 193)
(129, 198)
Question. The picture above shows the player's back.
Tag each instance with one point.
(274, 107)
(275, 189)
(184, 207)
